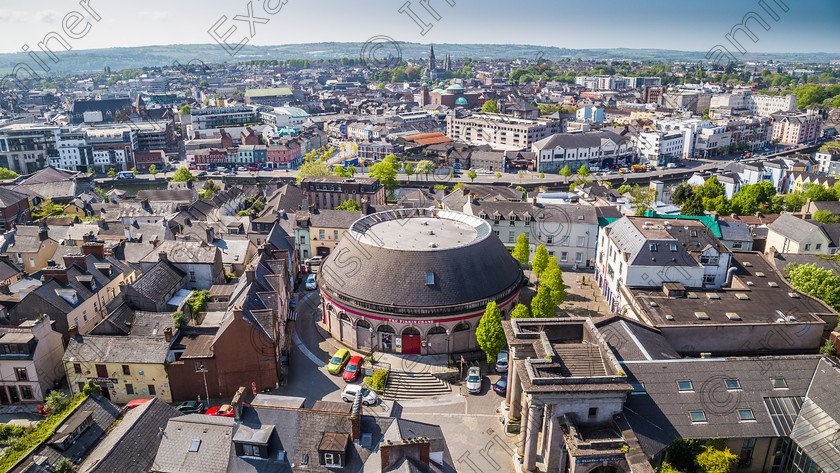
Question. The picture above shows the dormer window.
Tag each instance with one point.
(249, 442)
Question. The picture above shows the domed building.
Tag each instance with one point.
(416, 281)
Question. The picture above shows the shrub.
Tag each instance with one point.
(56, 401)
(377, 380)
(198, 301)
(179, 318)
(91, 389)
(10, 433)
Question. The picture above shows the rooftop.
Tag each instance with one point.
(419, 229)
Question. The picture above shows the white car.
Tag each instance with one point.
(369, 398)
(502, 362)
(474, 380)
(311, 283)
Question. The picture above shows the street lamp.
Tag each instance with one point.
(203, 369)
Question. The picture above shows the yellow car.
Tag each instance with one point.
(338, 361)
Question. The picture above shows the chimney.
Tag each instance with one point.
(237, 313)
(167, 334)
(43, 233)
(4, 289)
(73, 330)
(52, 271)
(236, 402)
(365, 206)
(417, 449)
(209, 232)
(77, 259)
(127, 232)
(250, 275)
(162, 256)
(356, 417)
(94, 248)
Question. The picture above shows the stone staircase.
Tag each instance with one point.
(403, 385)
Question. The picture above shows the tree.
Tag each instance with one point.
(8, 174)
(540, 260)
(349, 205)
(542, 305)
(566, 171)
(425, 167)
(490, 334)
(409, 170)
(111, 172)
(818, 282)
(183, 175)
(498, 175)
(828, 348)
(63, 465)
(552, 278)
(692, 206)
(542, 175)
(641, 199)
(55, 401)
(830, 144)
(47, 209)
(583, 171)
(179, 319)
(682, 452)
(153, 170)
(314, 168)
(472, 175)
(351, 170)
(521, 251)
(185, 110)
(520, 312)
(825, 216)
(794, 202)
(623, 189)
(711, 189)
(210, 188)
(682, 193)
(712, 460)
(339, 171)
(490, 106)
(386, 172)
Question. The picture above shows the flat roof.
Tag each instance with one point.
(420, 230)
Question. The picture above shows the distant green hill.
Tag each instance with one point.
(120, 58)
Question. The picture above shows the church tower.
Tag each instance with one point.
(432, 61)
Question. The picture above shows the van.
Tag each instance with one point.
(671, 165)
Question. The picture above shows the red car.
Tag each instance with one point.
(136, 402)
(252, 168)
(225, 410)
(354, 366)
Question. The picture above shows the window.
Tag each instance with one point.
(779, 383)
(697, 416)
(77, 368)
(673, 246)
(322, 234)
(578, 257)
(430, 278)
(653, 246)
(638, 387)
(496, 219)
(126, 370)
(593, 412)
(302, 240)
(331, 459)
(818, 246)
(550, 239)
(21, 374)
(101, 371)
(745, 415)
(250, 450)
(129, 389)
(737, 245)
(581, 241)
(335, 235)
(745, 458)
(512, 222)
(733, 384)
(693, 233)
(199, 367)
(565, 241)
(807, 246)
(81, 386)
(84, 315)
(26, 392)
(511, 237)
(708, 279)
(564, 256)
(194, 445)
(685, 386)
(709, 260)
(152, 390)
(192, 276)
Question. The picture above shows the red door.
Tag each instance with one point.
(411, 344)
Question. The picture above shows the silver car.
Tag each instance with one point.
(474, 380)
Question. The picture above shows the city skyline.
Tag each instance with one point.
(778, 26)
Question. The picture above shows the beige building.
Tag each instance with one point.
(32, 248)
(790, 234)
(317, 233)
(31, 361)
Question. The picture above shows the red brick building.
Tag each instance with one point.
(146, 158)
(205, 158)
(14, 209)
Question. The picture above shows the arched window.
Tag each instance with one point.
(385, 328)
(461, 327)
(411, 331)
(362, 323)
(343, 316)
(436, 330)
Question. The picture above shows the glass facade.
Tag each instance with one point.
(790, 458)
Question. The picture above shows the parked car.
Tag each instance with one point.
(353, 368)
(252, 168)
(474, 380)
(136, 402)
(502, 362)
(500, 386)
(369, 398)
(201, 174)
(315, 261)
(338, 361)
(311, 283)
(225, 410)
(190, 407)
(241, 168)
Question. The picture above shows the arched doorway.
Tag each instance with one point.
(411, 341)
(436, 341)
(462, 337)
(386, 337)
(364, 335)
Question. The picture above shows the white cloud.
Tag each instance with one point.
(47, 16)
(154, 15)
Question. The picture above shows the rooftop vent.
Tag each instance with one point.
(432, 244)
(747, 264)
(759, 274)
(773, 284)
(701, 315)
(691, 295)
(712, 295)
(653, 304)
(750, 283)
(733, 316)
(742, 297)
(669, 317)
(793, 295)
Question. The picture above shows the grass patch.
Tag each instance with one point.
(39, 434)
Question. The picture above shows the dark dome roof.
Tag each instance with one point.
(384, 259)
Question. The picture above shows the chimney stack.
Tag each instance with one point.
(236, 402)
(94, 248)
(167, 334)
(417, 449)
(77, 259)
(356, 417)
(162, 256)
(365, 206)
(73, 331)
(43, 233)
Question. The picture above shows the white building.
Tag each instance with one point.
(660, 146)
(501, 132)
(757, 104)
(599, 149)
(689, 127)
(31, 361)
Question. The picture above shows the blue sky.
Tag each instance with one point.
(808, 26)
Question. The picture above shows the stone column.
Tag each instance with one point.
(533, 429)
(523, 432)
(513, 379)
(515, 391)
(554, 444)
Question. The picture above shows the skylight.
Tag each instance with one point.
(194, 444)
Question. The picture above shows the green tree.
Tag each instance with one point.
(828, 348)
(540, 260)
(583, 171)
(314, 168)
(153, 170)
(641, 199)
(351, 170)
(552, 278)
(520, 312)
(521, 251)
(711, 189)
(386, 172)
(830, 144)
(349, 205)
(818, 193)
(566, 171)
(794, 202)
(682, 193)
(409, 170)
(542, 175)
(425, 167)
(490, 334)
(818, 282)
(179, 319)
(712, 460)
(63, 465)
(183, 175)
(499, 175)
(91, 389)
(339, 171)
(623, 189)
(185, 110)
(682, 452)
(542, 305)
(55, 401)
(472, 175)
(47, 209)
(490, 106)
(8, 174)
(693, 205)
(111, 172)
(198, 301)
(825, 216)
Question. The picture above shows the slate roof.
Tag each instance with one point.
(183, 252)
(735, 231)
(332, 218)
(168, 195)
(132, 445)
(9, 197)
(158, 280)
(118, 322)
(117, 349)
(215, 434)
(633, 242)
(9, 269)
(151, 324)
(793, 228)
(593, 139)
